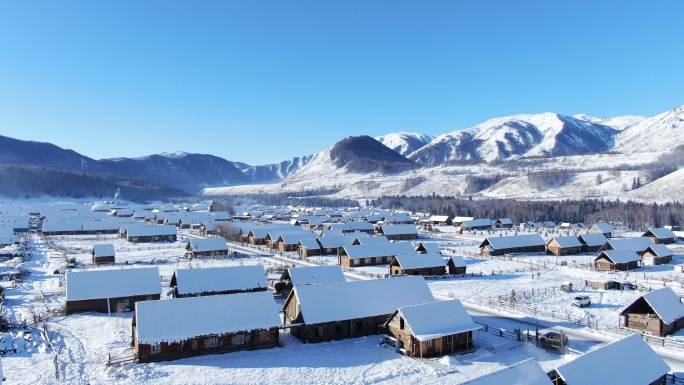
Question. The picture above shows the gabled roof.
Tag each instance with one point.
(112, 283)
(620, 256)
(457, 259)
(637, 244)
(477, 223)
(664, 302)
(660, 233)
(397, 217)
(378, 250)
(439, 218)
(505, 221)
(593, 239)
(567, 241)
(309, 243)
(398, 229)
(183, 318)
(514, 241)
(220, 279)
(432, 320)
(293, 238)
(527, 372)
(660, 250)
(602, 227)
(371, 240)
(420, 261)
(359, 299)
(103, 250)
(629, 361)
(208, 244)
(315, 275)
(430, 247)
(332, 241)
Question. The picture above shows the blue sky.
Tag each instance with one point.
(262, 81)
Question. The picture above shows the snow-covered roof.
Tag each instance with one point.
(103, 250)
(660, 250)
(660, 232)
(527, 372)
(150, 230)
(330, 240)
(420, 261)
(309, 243)
(112, 283)
(208, 244)
(399, 229)
(439, 218)
(602, 227)
(594, 239)
(637, 244)
(567, 241)
(220, 279)
(183, 318)
(292, 238)
(621, 256)
(315, 275)
(514, 241)
(432, 320)
(430, 247)
(609, 364)
(505, 221)
(371, 240)
(359, 299)
(665, 303)
(396, 218)
(458, 260)
(378, 250)
(477, 223)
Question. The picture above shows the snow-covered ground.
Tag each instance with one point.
(83, 342)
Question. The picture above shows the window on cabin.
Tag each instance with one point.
(401, 323)
(239, 339)
(211, 342)
(155, 348)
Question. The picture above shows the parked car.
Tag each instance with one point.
(628, 286)
(581, 301)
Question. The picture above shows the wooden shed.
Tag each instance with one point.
(350, 309)
(621, 260)
(173, 329)
(656, 255)
(564, 245)
(218, 280)
(309, 247)
(103, 253)
(207, 247)
(432, 329)
(476, 224)
(440, 220)
(503, 223)
(110, 290)
(659, 312)
(150, 233)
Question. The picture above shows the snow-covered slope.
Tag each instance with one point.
(546, 134)
(273, 172)
(617, 122)
(405, 142)
(660, 134)
(665, 189)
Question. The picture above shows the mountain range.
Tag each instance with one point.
(546, 140)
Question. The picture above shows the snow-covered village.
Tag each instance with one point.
(352, 192)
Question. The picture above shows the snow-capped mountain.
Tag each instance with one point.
(405, 142)
(273, 172)
(618, 122)
(659, 134)
(538, 135)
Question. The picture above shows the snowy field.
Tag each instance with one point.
(83, 342)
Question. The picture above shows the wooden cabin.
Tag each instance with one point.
(417, 264)
(103, 253)
(314, 275)
(636, 244)
(659, 312)
(218, 280)
(626, 361)
(602, 228)
(660, 235)
(476, 224)
(503, 223)
(529, 243)
(309, 247)
(593, 242)
(398, 232)
(110, 290)
(150, 233)
(564, 245)
(371, 254)
(331, 243)
(432, 329)
(622, 260)
(350, 309)
(440, 220)
(172, 329)
(207, 247)
(427, 248)
(656, 255)
(456, 265)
